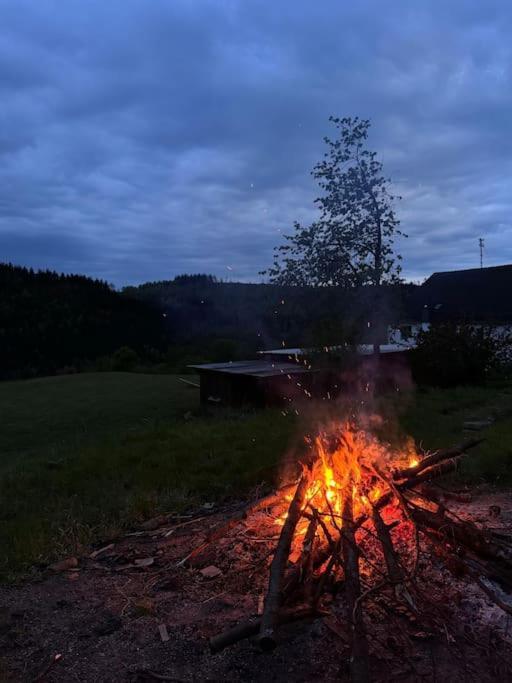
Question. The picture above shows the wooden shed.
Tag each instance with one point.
(255, 383)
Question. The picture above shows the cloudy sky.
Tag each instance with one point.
(140, 139)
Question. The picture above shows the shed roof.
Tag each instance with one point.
(253, 368)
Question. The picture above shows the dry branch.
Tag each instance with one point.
(325, 577)
(42, 674)
(359, 660)
(222, 529)
(463, 533)
(307, 554)
(393, 566)
(321, 554)
(252, 626)
(274, 596)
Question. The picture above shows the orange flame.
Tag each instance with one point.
(345, 459)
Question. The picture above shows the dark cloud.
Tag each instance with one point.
(143, 139)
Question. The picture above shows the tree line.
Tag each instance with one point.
(51, 322)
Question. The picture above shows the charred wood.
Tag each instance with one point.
(464, 533)
(307, 555)
(392, 564)
(251, 627)
(274, 595)
(359, 659)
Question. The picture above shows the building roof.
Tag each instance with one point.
(362, 350)
(253, 368)
(477, 294)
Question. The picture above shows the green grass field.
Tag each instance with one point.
(51, 416)
(84, 456)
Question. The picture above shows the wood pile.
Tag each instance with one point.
(359, 534)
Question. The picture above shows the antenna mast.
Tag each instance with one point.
(481, 245)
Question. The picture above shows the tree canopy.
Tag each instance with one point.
(351, 244)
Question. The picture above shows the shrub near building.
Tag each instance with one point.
(451, 355)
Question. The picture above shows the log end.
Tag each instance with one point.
(267, 640)
(233, 635)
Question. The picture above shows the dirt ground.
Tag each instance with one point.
(129, 613)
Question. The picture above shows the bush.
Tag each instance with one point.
(124, 358)
(451, 355)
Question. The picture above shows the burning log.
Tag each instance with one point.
(269, 619)
(307, 556)
(435, 458)
(427, 475)
(397, 489)
(359, 659)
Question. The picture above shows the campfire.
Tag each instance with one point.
(355, 524)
